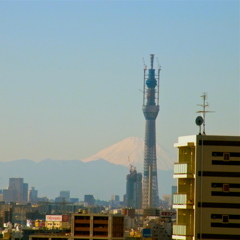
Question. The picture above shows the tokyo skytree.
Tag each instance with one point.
(150, 198)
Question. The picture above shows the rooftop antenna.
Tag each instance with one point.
(204, 111)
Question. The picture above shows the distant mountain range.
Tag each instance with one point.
(101, 176)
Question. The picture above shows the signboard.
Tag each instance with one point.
(146, 233)
(53, 218)
(65, 218)
(167, 214)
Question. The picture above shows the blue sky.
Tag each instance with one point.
(72, 73)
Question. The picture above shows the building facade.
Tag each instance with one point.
(97, 226)
(134, 189)
(208, 191)
(89, 200)
(65, 195)
(57, 222)
(33, 195)
(17, 191)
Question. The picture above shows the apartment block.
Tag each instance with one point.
(208, 189)
(97, 226)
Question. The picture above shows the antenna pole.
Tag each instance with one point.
(151, 57)
(204, 111)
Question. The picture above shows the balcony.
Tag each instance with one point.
(100, 229)
(182, 201)
(100, 221)
(182, 232)
(82, 221)
(183, 170)
(82, 229)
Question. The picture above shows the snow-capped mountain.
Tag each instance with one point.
(131, 151)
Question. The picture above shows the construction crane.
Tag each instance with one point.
(132, 168)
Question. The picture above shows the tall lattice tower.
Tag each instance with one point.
(150, 110)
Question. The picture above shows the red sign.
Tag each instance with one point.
(167, 214)
(53, 218)
(65, 218)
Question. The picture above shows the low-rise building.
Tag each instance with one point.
(57, 222)
(89, 227)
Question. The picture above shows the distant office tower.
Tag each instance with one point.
(89, 200)
(166, 201)
(74, 200)
(207, 199)
(17, 185)
(115, 201)
(17, 191)
(9, 195)
(134, 189)
(33, 195)
(150, 110)
(25, 192)
(65, 195)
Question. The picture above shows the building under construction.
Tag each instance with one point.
(150, 110)
(134, 189)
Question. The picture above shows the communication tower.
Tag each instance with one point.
(150, 110)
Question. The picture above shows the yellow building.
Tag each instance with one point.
(57, 222)
(208, 194)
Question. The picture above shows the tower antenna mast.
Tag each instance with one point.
(150, 110)
(204, 111)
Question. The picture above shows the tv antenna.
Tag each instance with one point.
(204, 111)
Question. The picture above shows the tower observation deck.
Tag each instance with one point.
(150, 198)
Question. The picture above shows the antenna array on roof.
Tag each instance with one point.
(204, 111)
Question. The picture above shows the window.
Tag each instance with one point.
(226, 156)
(225, 218)
(225, 187)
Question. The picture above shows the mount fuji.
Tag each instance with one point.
(131, 151)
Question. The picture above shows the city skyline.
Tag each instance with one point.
(72, 73)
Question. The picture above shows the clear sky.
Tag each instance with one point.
(71, 73)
